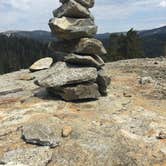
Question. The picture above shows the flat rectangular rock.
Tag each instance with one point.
(77, 92)
(88, 46)
(61, 74)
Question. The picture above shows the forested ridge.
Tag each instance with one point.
(20, 51)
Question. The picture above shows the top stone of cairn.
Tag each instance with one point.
(86, 3)
(72, 9)
(73, 20)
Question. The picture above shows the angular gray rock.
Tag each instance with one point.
(40, 134)
(71, 28)
(83, 60)
(86, 3)
(88, 46)
(103, 81)
(146, 80)
(38, 156)
(77, 92)
(64, 75)
(72, 9)
(162, 135)
(98, 59)
(41, 64)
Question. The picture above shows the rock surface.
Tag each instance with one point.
(72, 28)
(28, 157)
(72, 9)
(63, 75)
(88, 46)
(113, 130)
(66, 131)
(40, 134)
(41, 64)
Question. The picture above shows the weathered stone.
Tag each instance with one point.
(162, 135)
(86, 3)
(83, 60)
(145, 80)
(38, 156)
(72, 9)
(77, 92)
(65, 75)
(90, 46)
(98, 59)
(82, 46)
(73, 154)
(127, 94)
(41, 64)
(71, 28)
(66, 131)
(103, 81)
(40, 134)
(26, 77)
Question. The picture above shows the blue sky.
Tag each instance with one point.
(111, 15)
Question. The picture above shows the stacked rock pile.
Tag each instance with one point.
(78, 73)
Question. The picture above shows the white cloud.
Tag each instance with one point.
(34, 14)
(114, 10)
(126, 14)
(17, 4)
(162, 25)
(162, 3)
(26, 14)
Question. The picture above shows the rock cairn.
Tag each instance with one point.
(78, 73)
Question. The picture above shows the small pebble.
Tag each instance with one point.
(162, 135)
(126, 94)
(26, 77)
(66, 131)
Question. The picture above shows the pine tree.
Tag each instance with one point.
(113, 47)
(122, 47)
(133, 45)
(125, 46)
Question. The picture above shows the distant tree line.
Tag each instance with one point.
(132, 45)
(18, 53)
(124, 46)
(154, 46)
